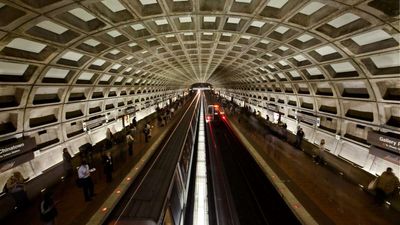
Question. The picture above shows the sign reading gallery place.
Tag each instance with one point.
(383, 141)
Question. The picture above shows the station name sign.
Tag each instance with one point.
(130, 110)
(308, 118)
(95, 122)
(273, 108)
(383, 141)
(16, 153)
(17, 148)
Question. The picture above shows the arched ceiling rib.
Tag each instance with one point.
(343, 51)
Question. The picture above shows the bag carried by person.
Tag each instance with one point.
(372, 184)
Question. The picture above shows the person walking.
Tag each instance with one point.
(319, 152)
(108, 166)
(67, 162)
(386, 185)
(110, 138)
(147, 132)
(86, 180)
(130, 140)
(134, 122)
(299, 137)
(48, 210)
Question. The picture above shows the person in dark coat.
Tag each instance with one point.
(16, 187)
(48, 210)
(147, 132)
(299, 137)
(386, 185)
(134, 122)
(108, 166)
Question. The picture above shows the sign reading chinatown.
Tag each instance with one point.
(16, 148)
(383, 141)
(16, 153)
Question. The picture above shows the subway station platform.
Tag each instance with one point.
(71, 206)
(327, 196)
(321, 193)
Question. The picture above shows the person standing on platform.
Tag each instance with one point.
(386, 185)
(16, 187)
(67, 159)
(86, 180)
(299, 137)
(130, 140)
(134, 122)
(147, 132)
(320, 151)
(109, 137)
(48, 210)
(108, 166)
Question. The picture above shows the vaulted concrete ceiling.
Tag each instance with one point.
(332, 54)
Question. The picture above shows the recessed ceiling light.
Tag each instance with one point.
(12, 69)
(137, 26)
(281, 29)
(277, 3)
(115, 51)
(148, 2)
(98, 62)
(371, 37)
(343, 67)
(52, 27)
(305, 37)
(325, 50)
(243, 1)
(161, 22)
(114, 33)
(26, 45)
(113, 5)
(73, 56)
(92, 42)
(234, 20)
(343, 20)
(257, 23)
(209, 19)
(82, 14)
(185, 19)
(311, 8)
(56, 73)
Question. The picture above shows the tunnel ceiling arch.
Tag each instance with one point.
(338, 57)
